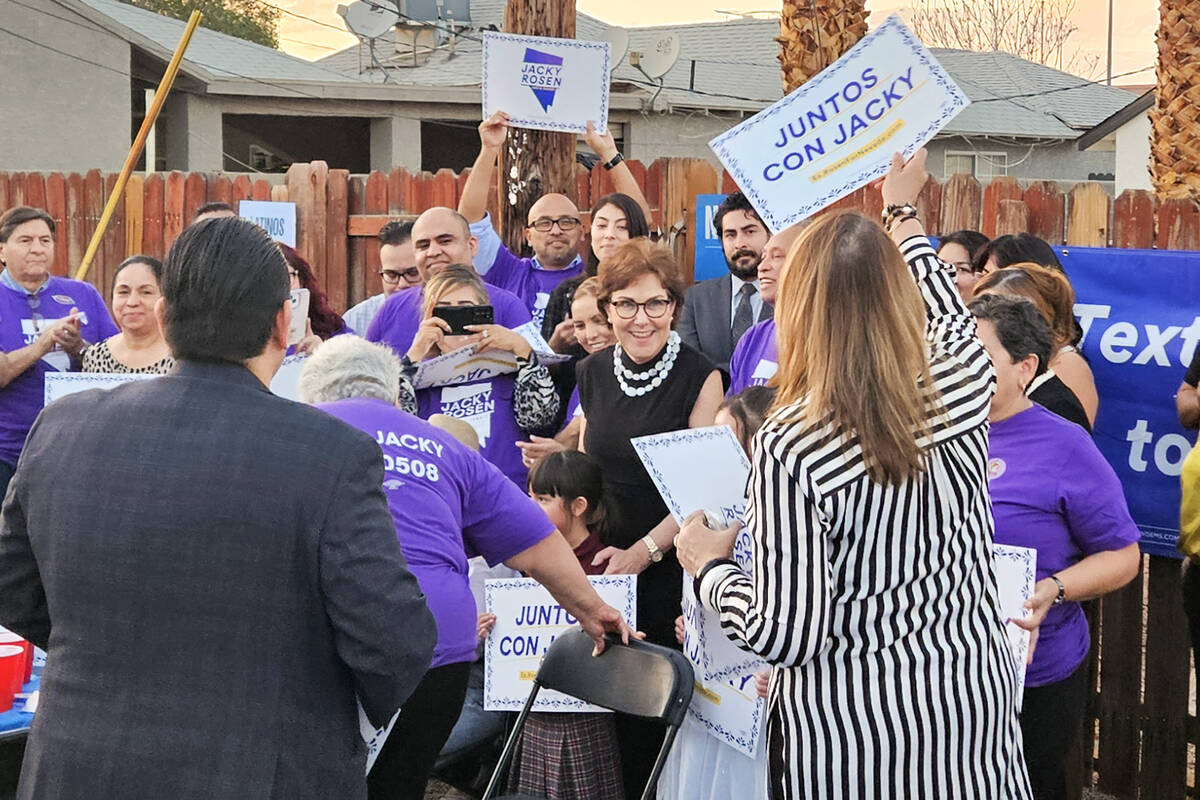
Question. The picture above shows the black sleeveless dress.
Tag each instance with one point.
(613, 418)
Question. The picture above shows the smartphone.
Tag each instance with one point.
(460, 317)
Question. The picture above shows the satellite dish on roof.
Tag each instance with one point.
(659, 57)
(618, 44)
(368, 20)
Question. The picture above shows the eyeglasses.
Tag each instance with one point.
(655, 307)
(410, 275)
(293, 273)
(962, 267)
(544, 224)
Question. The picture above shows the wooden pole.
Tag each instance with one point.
(139, 142)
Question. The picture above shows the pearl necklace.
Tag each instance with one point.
(656, 374)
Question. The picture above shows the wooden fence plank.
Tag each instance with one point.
(1120, 681)
(242, 190)
(376, 202)
(356, 247)
(318, 180)
(5, 201)
(962, 200)
(17, 189)
(75, 237)
(56, 207)
(638, 170)
(653, 187)
(728, 184)
(134, 214)
(337, 208)
(1165, 712)
(1087, 221)
(260, 190)
(601, 184)
(1047, 210)
(685, 178)
(929, 206)
(443, 189)
(1001, 188)
(152, 221)
(1133, 219)
(173, 220)
(114, 241)
(278, 193)
(222, 191)
(1012, 216)
(401, 196)
(93, 199)
(1178, 225)
(35, 190)
(195, 194)
(583, 186)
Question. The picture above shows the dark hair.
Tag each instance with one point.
(733, 202)
(396, 232)
(749, 407)
(1014, 249)
(213, 208)
(1048, 289)
(1020, 327)
(968, 240)
(16, 217)
(150, 261)
(325, 321)
(569, 474)
(224, 280)
(635, 222)
(636, 258)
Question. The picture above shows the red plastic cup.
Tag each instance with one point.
(12, 673)
(7, 637)
(28, 661)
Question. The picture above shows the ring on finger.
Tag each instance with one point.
(484, 334)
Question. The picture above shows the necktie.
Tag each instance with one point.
(743, 315)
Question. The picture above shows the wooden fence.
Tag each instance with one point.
(1138, 730)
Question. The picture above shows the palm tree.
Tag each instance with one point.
(1175, 116)
(814, 33)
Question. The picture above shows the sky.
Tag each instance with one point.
(1133, 43)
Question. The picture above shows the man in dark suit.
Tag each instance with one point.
(212, 569)
(716, 312)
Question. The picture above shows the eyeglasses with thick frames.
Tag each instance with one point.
(410, 275)
(544, 224)
(655, 307)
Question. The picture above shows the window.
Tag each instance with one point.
(984, 166)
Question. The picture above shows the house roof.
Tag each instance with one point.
(1135, 109)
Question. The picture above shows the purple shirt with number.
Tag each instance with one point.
(487, 406)
(755, 359)
(448, 505)
(1052, 490)
(22, 318)
(396, 323)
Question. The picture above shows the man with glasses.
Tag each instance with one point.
(45, 323)
(553, 231)
(398, 270)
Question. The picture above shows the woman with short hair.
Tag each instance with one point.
(140, 347)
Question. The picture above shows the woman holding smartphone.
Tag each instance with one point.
(503, 408)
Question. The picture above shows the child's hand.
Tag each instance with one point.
(483, 626)
(679, 629)
(762, 681)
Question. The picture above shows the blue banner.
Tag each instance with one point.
(1140, 314)
(710, 257)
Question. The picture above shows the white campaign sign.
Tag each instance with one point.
(544, 83)
(287, 379)
(465, 366)
(61, 384)
(1016, 572)
(837, 132)
(372, 736)
(528, 620)
(697, 469)
(277, 219)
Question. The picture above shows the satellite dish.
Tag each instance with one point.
(368, 20)
(660, 56)
(618, 44)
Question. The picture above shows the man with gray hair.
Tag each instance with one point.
(446, 501)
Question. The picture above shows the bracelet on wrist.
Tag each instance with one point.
(1062, 591)
(612, 162)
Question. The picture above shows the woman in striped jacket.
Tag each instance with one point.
(872, 588)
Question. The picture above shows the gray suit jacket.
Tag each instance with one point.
(706, 322)
(215, 575)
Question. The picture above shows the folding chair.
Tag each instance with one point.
(640, 679)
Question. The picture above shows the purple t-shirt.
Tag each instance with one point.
(1052, 490)
(524, 277)
(487, 406)
(396, 323)
(574, 409)
(22, 319)
(755, 359)
(448, 505)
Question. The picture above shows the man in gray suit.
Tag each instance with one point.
(212, 569)
(716, 312)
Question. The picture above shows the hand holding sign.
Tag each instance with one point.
(494, 130)
(697, 543)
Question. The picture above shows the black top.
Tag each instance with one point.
(1055, 396)
(613, 418)
(1193, 373)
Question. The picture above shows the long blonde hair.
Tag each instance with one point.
(851, 329)
(451, 277)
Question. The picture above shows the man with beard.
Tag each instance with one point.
(716, 312)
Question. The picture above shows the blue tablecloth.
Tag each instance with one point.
(15, 719)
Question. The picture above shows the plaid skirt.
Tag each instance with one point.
(568, 757)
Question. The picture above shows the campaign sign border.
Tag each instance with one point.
(91, 380)
(547, 700)
(647, 446)
(955, 101)
(1018, 638)
(518, 121)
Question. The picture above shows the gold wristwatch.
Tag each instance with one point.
(656, 555)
